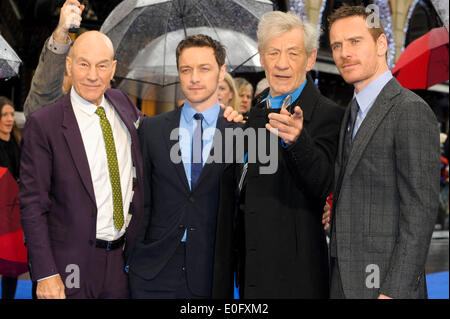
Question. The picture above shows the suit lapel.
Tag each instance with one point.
(124, 116)
(342, 131)
(380, 108)
(173, 122)
(74, 141)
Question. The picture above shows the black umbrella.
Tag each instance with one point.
(135, 27)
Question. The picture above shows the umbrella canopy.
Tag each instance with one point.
(138, 26)
(13, 253)
(424, 62)
(9, 61)
(156, 63)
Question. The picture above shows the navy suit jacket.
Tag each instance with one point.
(170, 207)
(58, 207)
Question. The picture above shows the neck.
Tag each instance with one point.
(359, 86)
(205, 105)
(5, 136)
(275, 94)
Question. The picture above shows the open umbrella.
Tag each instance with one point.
(9, 61)
(424, 62)
(13, 253)
(156, 63)
(135, 25)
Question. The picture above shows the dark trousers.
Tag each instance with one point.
(107, 278)
(170, 283)
(336, 290)
(9, 285)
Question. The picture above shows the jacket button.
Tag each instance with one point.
(181, 226)
(191, 199)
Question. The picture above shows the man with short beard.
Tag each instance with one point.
(387, 171)
(174, 253)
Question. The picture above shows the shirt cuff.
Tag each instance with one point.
(47, 277)
(58, 48)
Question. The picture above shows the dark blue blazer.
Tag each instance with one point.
(170, 207)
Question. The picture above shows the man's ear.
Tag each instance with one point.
(382, 45)
(222, 71)
(114, 64)
(69, 65)
(311, 60)
(261, 60)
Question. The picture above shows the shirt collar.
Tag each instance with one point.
(209, 115)
(367, 96)
(277, 101)
(84, 105)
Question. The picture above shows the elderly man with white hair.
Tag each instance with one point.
(283, 250)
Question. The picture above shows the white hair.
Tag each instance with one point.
(275, 23)
(261, 86)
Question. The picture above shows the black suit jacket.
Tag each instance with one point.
(171, 207)
(283, 251)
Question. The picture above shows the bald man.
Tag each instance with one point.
(81, 181)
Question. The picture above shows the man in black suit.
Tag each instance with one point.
(283, 251)
(174, 252)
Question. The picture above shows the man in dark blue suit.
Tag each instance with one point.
(174, 252)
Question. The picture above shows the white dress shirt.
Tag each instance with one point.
(94, 145)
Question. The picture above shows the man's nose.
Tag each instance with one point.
(282, 61)
(345, 51)
(92, 73)
(194, 76)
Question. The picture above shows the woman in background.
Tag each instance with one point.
(245, 91)
(9, 158)
(228, 94)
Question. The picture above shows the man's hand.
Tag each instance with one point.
(70, 15)
(51, 288)
(231, 115)
(383, 297)
(326, 216)
(289, 125)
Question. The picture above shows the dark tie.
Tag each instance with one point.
(197, 147)
(354, 108)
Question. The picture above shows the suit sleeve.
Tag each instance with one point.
(417, 157)
(34, 197)
(46, 85)
(312, 156)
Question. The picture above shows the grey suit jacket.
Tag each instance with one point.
(46, 85)
(388, 198)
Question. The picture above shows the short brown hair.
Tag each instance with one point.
(346, 11)
(202, 40)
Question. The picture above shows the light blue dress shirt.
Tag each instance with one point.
(367, 96)
(187, 127)
(276, 102)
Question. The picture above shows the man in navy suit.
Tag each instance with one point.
(81, 181)
(174, 251)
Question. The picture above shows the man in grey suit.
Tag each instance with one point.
(387, 171)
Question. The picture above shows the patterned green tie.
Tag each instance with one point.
(113, 168)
